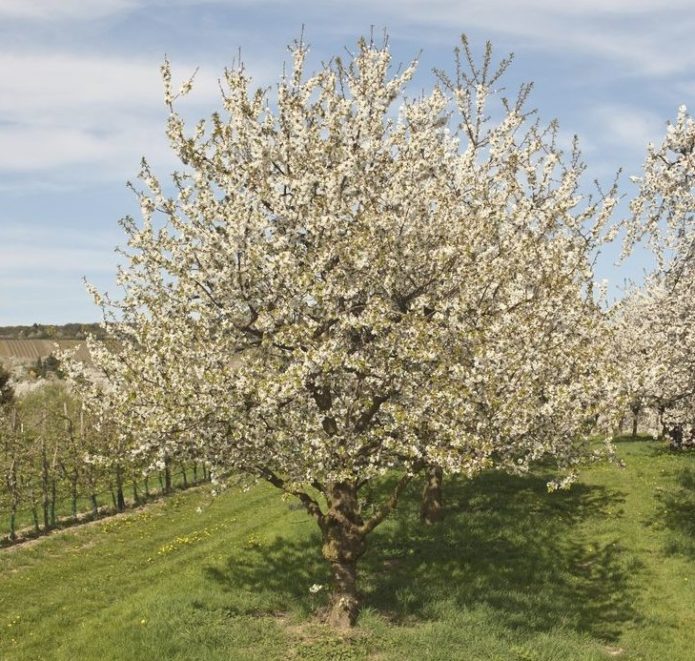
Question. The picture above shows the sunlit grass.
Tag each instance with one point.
(605, 570)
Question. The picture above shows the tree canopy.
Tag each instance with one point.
(343, 281)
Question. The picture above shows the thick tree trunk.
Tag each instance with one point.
(345, 602)
(95, 505)
(343, 545)
(431, 509)
(676, 434)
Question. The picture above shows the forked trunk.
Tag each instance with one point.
(343, 545)
(431, 509)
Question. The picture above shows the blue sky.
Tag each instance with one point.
(80, 102)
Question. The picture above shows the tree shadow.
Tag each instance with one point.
(676, 513)
(506, 544)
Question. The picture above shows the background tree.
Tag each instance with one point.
(664, 211)
(6, 390)
(348, 283)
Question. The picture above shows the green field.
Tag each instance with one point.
(606, 570)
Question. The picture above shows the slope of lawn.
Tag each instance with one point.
(606, 570)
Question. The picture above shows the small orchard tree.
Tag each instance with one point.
(657, 340)
(6, 389)
(664, 210)
(346, 283)
(638, 370)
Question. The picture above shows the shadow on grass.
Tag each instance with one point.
(506, 545)
(676, 513)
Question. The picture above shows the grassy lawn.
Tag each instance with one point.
(606, 570)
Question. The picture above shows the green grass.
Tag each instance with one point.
(606, 570)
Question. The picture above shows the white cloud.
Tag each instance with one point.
(16, 260)
(61, 110)
(62, 9)
(17, 236)
(627, 127)
(50, 84)
(646, 36)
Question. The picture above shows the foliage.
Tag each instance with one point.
(6, 389)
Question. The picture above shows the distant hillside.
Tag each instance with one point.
(73, 331)
(29, 351)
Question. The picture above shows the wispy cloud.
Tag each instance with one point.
(62, 110)
(627, 127)
(645, 37)
(84, 10)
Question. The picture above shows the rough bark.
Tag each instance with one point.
(676, 434)
(344, 534)
(343, 544)
(431, 509)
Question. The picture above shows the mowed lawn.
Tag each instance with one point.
(606, 570)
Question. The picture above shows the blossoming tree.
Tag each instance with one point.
(664, 211)
(348, 282)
